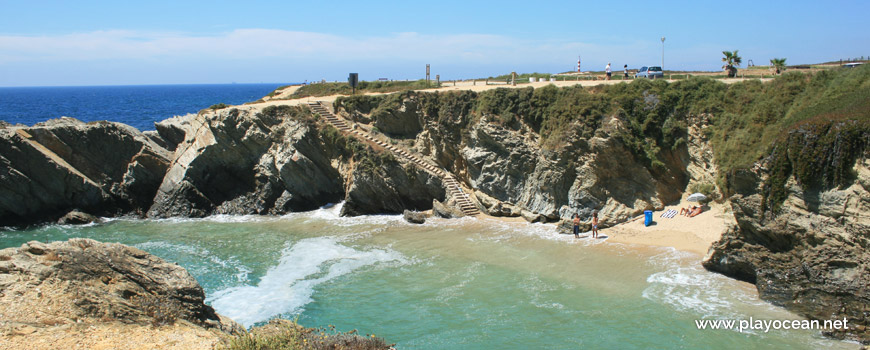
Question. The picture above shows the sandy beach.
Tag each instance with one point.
(693, 234)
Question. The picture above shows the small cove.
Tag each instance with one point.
(464, 283)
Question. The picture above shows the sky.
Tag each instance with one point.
(72, 43)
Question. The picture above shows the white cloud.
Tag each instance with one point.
(107, 57)
(247, 43)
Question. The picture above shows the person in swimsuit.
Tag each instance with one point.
(576, 226)
(594, 224)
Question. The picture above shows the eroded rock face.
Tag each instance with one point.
(250, 161)
(391, 190)
(506, 163)
(245, 162)
(812, 256)
(53, 167)
(82, 279)
(403, 121)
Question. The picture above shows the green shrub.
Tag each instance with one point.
(290, 335)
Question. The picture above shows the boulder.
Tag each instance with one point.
(446, 210)
(76, 217)
(532, 217)
(414, 217)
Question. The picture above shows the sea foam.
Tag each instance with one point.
(287, 287)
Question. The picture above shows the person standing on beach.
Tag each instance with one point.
(594, 224)
(625, 71)
(607, 70)
(576, 226)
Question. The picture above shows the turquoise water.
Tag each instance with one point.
(448, 284)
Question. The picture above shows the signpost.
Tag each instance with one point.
(353, 79)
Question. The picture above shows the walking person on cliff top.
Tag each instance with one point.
(607, 70)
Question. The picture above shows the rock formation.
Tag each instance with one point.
(279, 160)
(47, 288)
(810, 254)
(53, 167)
(515, 175)
(414, 217)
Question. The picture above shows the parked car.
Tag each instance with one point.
(652, 72)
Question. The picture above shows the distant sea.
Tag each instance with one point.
(136, 105)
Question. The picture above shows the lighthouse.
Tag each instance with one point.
(578, 64)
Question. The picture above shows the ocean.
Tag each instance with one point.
(137, 105)
(450, 284)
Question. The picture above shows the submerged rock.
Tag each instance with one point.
(76, 217)
(414, 217)
(446, 210)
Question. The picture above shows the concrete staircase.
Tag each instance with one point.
(454, 189)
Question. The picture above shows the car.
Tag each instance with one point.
(652, 72)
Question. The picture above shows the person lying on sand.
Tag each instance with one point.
(686, 211)
(696, 211)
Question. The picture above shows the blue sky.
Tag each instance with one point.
(176, 42)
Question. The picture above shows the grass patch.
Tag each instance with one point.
(327, 89)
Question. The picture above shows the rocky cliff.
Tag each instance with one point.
(50, 292)
(53, 167)
(804, 245)
(281, 159)
(513, 173)
(269, 160)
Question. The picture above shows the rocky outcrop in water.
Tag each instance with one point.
(247, 162)
(808, 253)
(51, 168)
(82, 280)
(278, 160)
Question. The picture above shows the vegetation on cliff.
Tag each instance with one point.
(283, 334)
(341, 88)
(748, 117)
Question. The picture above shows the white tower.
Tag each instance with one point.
(578, 64)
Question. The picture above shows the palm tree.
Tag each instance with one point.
(731, 62)
(778, 64)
